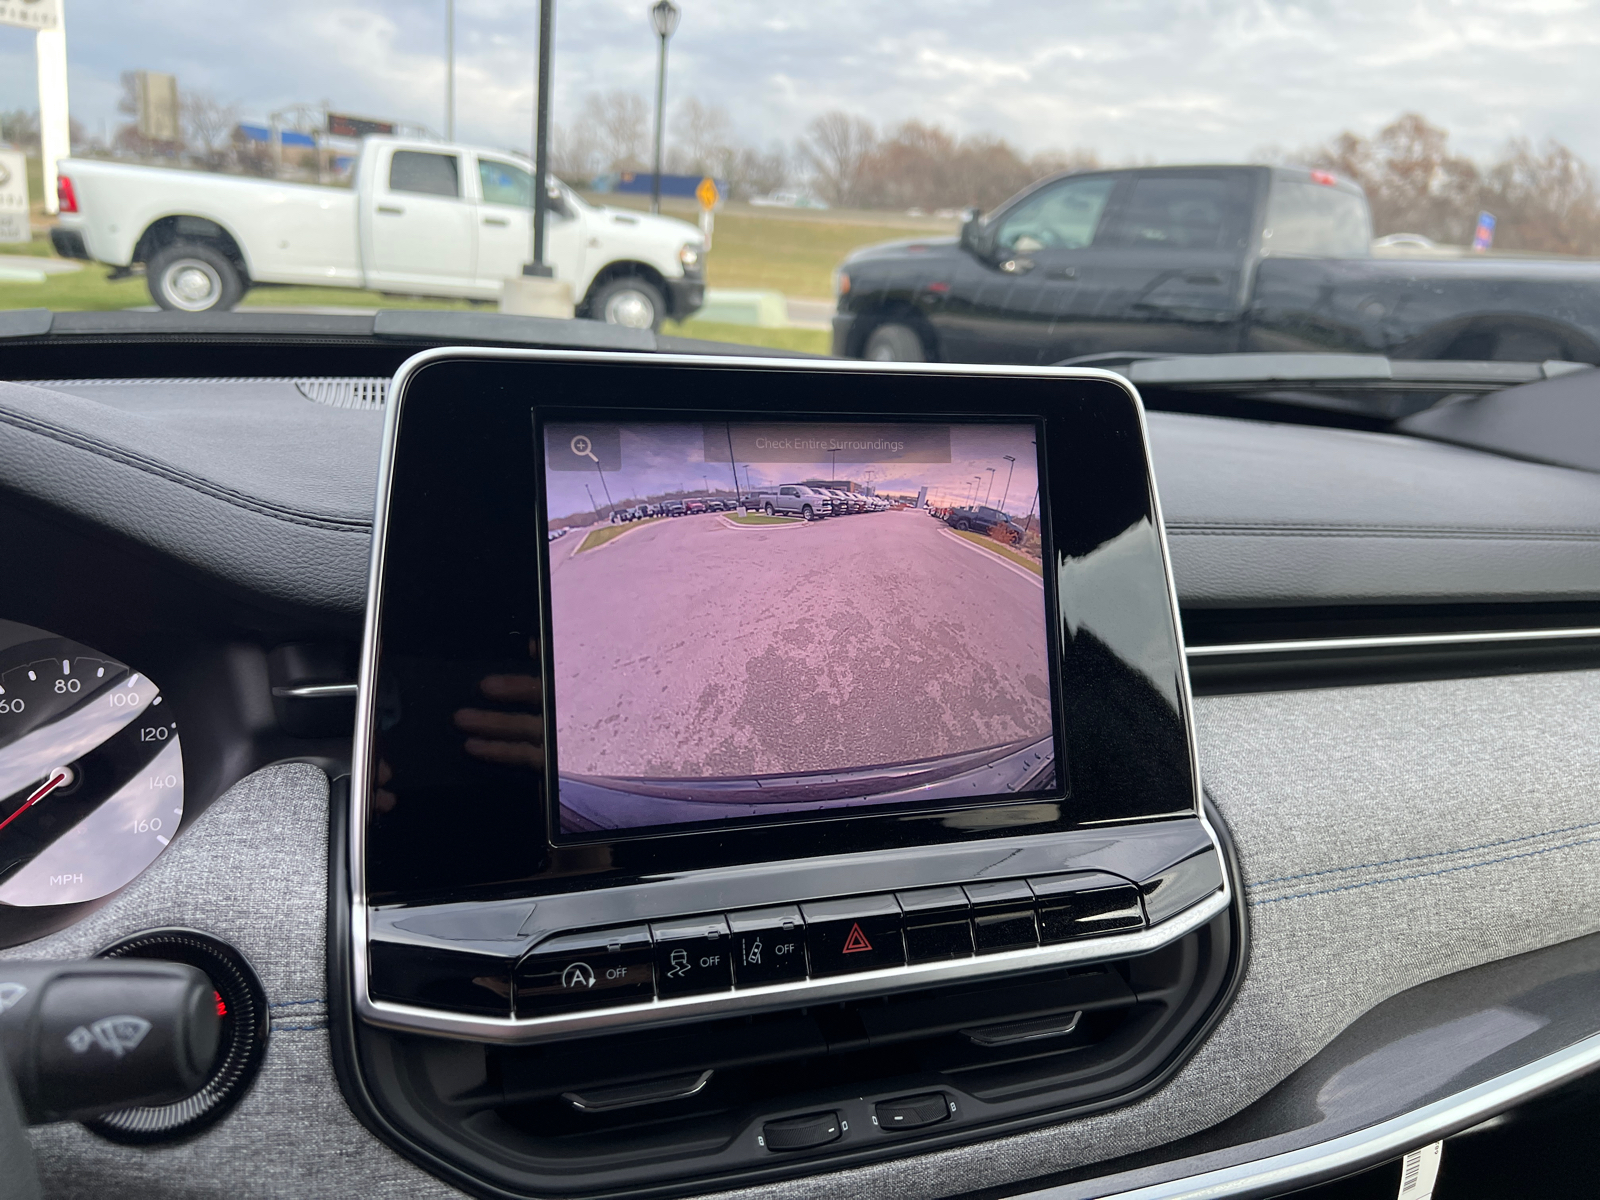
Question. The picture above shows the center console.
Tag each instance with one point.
(763, 767)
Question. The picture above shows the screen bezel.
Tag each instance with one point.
(1091, 422)
(542, 417)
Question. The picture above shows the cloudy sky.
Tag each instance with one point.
(1166, 80)
(651, 460)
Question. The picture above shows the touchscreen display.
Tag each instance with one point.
(751, 620)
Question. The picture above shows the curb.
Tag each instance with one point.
(797, 523)
(1000, 558)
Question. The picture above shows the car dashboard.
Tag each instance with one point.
(1361, 927)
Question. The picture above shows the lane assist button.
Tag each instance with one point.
(586, 970)
(769, 946)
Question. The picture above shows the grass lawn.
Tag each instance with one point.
(1004, 551)
(795, 257)
(758, 519)
(599, 537)
(812, 341)
(793, 251)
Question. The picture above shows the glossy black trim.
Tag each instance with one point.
(463, 516)
(393, 1115)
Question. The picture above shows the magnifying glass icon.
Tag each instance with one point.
(584, 448)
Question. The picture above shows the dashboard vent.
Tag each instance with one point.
(366, 392)
(345, 393)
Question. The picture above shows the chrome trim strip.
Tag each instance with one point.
(659, 1012)
(318, 691)
(1367, 1147)
(1415, 641)
(656, 1013)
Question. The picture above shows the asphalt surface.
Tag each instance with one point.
(687, 648)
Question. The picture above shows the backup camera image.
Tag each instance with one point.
(755, 619)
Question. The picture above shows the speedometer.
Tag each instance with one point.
(91, 771)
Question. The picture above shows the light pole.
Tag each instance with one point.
(449, 70)
(1010, 459)
(988, 491)
(664, 16)
(833, 463)
(538, 269)
(609, 504)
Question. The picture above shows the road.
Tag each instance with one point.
(689, 648)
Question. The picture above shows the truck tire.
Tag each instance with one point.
(193, 277)
(629, 301)
(807, 513)
(770, 511)
(894, 342)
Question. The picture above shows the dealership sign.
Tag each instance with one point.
(13, 197)
(31, 14)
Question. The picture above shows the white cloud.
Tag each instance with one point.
(1159, 80)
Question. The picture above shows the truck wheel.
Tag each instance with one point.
(629, 301)
(193, 277)
(894, 343)
(770, 511)
(808, 514)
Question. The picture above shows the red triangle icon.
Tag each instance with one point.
(857, 941)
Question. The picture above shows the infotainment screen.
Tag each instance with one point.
(753, 619)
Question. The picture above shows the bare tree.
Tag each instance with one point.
(208, 125)
(621, 125)
(750, 172)
(839, 147)
(702, 138)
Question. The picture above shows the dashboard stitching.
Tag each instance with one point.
(1389, 862)
(1488, 862)
(183, 479)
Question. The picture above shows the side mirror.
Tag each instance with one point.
(971, 229)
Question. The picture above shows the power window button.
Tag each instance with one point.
(911, 1112)
(801, 1133)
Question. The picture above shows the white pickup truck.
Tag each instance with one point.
(419, 219)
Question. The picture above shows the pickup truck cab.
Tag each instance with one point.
(981, 518)
(1200, 260)
(796, 500)
(419, 219)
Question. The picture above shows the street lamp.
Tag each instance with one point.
(833, 463)
(538, 268)
(1010, 459)
(664, 16)
(988, 491)
(449, 70)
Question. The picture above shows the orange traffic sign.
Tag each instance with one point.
(707, 193)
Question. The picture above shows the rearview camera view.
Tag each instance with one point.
(750, 620)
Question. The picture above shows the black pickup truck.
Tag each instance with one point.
(1200, 260)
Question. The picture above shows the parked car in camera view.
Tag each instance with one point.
(980, 518)
(796, 500)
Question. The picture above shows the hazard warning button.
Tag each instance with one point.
(846, 936)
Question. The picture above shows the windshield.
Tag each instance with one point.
(837, 180)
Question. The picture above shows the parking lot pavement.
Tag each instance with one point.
(688, 648)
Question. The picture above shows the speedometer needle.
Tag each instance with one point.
(56, 779)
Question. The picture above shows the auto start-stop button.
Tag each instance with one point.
(586, 970)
